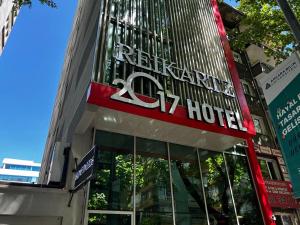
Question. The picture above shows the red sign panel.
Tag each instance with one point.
(100, 94)
(280, 194)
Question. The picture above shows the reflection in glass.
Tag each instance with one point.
(153, 193)
(187, 187)
(109, 219)
(217, 190)
(243, 190)
(287, 220)
(112, 187)
(264, 169)
(269, 169)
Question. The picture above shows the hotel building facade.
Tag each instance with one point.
(154, 85)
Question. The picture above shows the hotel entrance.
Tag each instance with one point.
(148, 182)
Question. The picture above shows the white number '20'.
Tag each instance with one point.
(127, 88)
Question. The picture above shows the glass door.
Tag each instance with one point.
(111, 190)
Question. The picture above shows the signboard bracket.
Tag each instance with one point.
(71, 197)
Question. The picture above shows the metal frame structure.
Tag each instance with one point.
(133, 212)
(159, 32)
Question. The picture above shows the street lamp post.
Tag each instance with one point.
(290, 18)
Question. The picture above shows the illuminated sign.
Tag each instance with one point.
(201, 112)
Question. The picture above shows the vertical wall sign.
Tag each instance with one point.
(281, 88)
(85, 169)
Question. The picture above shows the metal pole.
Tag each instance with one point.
(290, 18)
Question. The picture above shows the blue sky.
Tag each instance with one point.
(231, 2)
(30, 69)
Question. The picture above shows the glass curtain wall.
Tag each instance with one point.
(153, 193)
(112, 187)
(239, 174)
(188, 193)
(146, 182)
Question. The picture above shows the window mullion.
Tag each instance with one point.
(171, 183)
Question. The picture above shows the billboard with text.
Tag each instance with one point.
(281, 88)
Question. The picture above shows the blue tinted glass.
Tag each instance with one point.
(16, 178)
(22, 167)
(35, 168)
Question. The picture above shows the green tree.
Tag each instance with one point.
(264, 23)
(49, 3)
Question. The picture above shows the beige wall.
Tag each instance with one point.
(256, 54)
(41, 206)
(76, 76)
(5, 10)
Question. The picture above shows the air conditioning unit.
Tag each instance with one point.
(57, 164)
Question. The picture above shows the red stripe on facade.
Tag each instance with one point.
(233, 71)
(260, 184)
(254, 166)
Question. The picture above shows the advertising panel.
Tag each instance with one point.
(280, 194)
(281, 88)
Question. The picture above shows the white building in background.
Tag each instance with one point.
(8, 15)
(23, 171)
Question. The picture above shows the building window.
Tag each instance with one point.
(247, 87)
(237, 57)
(14, 178)
(286, 219)
(269, 168)
(259, 124)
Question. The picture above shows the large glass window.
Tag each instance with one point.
(155, 183)
(269, 168)
(153, 191)
(22, 167)
(218, 196)
(16, 178)
(187, 186)
(112, 188)
(259, 124)
(243, 190)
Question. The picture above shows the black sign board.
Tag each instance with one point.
(86, 168)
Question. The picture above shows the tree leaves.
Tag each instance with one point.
(264, 23)
(49, 3)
